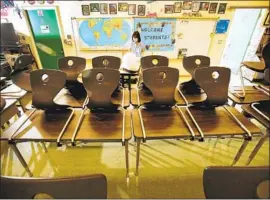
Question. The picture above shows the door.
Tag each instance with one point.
(241, 30)
(45, 30)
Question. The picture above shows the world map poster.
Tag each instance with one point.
(105, 33)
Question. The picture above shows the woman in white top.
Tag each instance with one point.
(137, 46)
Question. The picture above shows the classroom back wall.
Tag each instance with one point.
(73, 9)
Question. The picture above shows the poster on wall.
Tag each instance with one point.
(222, 26)
(156, 34)
(104, 33)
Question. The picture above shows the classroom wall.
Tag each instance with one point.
(68, 9)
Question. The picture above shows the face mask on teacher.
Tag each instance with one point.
(135, 39)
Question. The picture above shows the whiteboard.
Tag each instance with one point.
(194, 35)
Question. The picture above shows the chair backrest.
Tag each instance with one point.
(162, 82)
(99, 84)
(106, 62)
(215, 83)
(23, 61)
(46, 83)
(191, 63)
(266, 54)
(22, 79)
(82, 187)
(72, 66)
(267, 75)
(2, 103)
(236, 182)
(154, 61)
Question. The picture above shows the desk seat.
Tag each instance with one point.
(257, 66)
(104, 127)
(252, 95)
(39, 127)
(146, 96)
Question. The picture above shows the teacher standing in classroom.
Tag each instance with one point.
(137, 47)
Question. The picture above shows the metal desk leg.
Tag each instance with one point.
(127, 159)
(20, 157)
(240, 152)
(44, 146)
(129, 88)
(257, 148)
(138, 156)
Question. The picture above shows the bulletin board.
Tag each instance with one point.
(189, 36)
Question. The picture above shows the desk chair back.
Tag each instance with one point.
(23, 62)
(267, 75)
(215, 83)
(191, 63)
(236, 182)
(2, 103)
(46, 84)
(83, 187)
(266, 55)
(72, 66)
(154, 61)
(162, 82)
(100, 83)
(106, 62)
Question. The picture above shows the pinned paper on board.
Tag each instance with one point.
(45, 29)
(222, 26)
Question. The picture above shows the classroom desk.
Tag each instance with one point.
(96, 127)
(15, 92)
(248, 110)
(252, 95)
(141, 96)
(8, 111)
(170, 124)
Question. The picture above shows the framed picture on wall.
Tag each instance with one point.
(168, 9)
(267, 20)
(222, 8)
(122, 7)
(113, 8)
(195, 6)
(213, 8)
(85, 10)
(187, 5)
(177, 7)
(141, 10)
(132, 9)
(94, 7)
(204, 6)
(103, 8)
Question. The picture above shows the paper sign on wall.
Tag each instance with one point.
(44, 28)
(222, 26)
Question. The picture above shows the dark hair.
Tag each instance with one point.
(136, 34)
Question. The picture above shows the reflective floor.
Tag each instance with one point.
(169, 168)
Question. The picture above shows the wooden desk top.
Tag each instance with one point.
(94, 128)
(162, 124)
(38, 128)
(248, 109)
(104, 127)
(169, 124)
(252, 95)
(146, 96)
(12, 92)
(9, 102)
